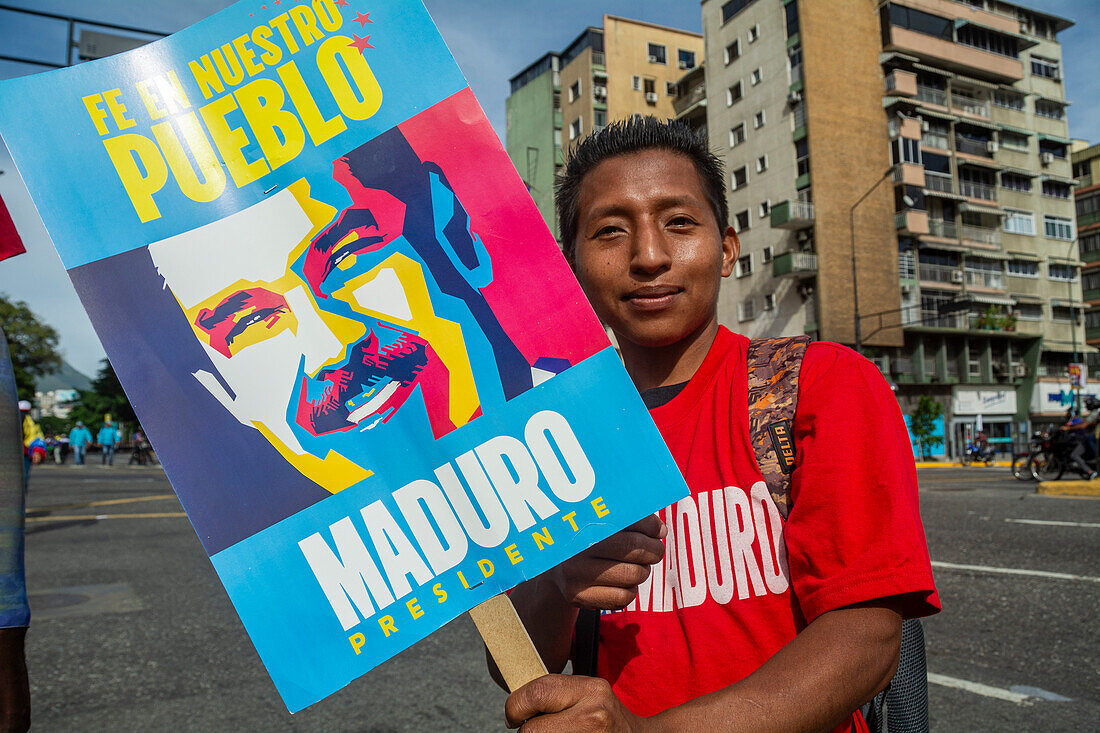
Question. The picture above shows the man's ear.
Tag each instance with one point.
(731, 250)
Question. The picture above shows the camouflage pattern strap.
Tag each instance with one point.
(773, 365)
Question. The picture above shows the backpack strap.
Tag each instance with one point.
(773, 367)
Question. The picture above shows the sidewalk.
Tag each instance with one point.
(956, 464)
(1069, 488)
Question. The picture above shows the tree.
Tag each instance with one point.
(105, 396)
(922, 421)
(32, 344)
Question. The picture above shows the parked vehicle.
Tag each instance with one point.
(975, 453)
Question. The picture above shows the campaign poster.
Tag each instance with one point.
(367, 370)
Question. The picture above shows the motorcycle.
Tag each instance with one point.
(976, 454)
(1054, 459)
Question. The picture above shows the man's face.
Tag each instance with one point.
(649, 254)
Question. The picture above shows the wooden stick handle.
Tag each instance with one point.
(507, 640)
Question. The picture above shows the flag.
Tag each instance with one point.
(10, 242)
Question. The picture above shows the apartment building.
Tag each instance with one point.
(1086, 170)
(623, 68)
(900, 178)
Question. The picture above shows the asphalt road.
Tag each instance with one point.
(132, 630)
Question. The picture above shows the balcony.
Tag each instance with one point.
(598, 58)
(984, 235)
(901, 83)
(697, 95)
(933, 319)
(939, 274)
(938, 182)
(911, 222)
(935, 140)
(985, 279)
(792, 215)
(954, 56)
(796, 74)
(795, 264)
(969, 104)
(941, 228)
(799, 114)
(931, 95)
(979, 148)
(974, 190)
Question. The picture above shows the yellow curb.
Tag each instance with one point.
(956, 464)
(1069, 488)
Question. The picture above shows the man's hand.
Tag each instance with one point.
(606, 575)
(563, 704)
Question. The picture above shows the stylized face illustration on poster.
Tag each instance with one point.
(370, 376)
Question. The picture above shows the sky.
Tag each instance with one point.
(492, 40)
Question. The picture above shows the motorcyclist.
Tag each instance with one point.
(1083, 433)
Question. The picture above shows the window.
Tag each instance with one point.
(792, 18)
(757, 76)
(733, 7)
(686, 59)
(769, 298)
(754, 33)
(1012, 141)
(1061, 313)
(1057, 149)
(1057, 227)
(599, 119)
(746, 310)
(741, 224)
(1063, 272)
(765, 210)
(557, 101)
(1057, 189)
(1047, 108)
(657, 54)
(670, 88)
(762, 164)
(987, 40)
(1015, 182)
(734, 94)
(1009, 100)
(1088, 204)
(1044, 67)
(733, 51)
(739, 178)
(1023, 268)
(802, 157)
(766, 253)
(574, 91)
(1091, 281)
(744, 263)
(737, 135)
(906, 150)
(1019, 222)
(636, 83)
(921, 22)
(1081, 169)
(575, 129)
(758, 120)
(1089, 244)
(1028, 311)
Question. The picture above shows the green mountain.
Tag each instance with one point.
(67, 377)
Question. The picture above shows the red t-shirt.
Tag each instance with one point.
(737, 582)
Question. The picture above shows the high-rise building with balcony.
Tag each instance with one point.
(1086, 170)
(900, 177)
(623, 68)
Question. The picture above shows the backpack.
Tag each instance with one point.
(773, 370)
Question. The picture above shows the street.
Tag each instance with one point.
(132, 631)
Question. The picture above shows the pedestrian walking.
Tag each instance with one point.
(108, 437)
(79, 438)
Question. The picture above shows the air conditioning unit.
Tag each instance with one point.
(599, 92)
(956, 277)
(803, 235)
(653, 60)
(1019, 370)
(925, 125)
(684, 65)
(991, 146)
(651, 97)
(794, 98)
(1046, 158)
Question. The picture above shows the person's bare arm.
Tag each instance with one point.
(605, 576)
(838, 662)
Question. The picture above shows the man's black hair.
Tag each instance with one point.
(634, 135)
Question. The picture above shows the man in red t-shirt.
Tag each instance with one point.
(719, 614)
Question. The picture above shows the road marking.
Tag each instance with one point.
(978, 688)
(102, 502)
(1012, 571)
(1054, 523)
(80, 517)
